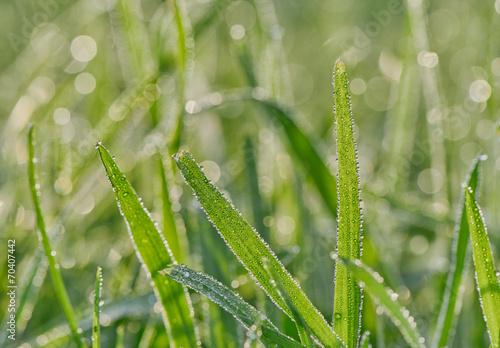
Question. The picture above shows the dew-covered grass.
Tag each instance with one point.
(243, 90)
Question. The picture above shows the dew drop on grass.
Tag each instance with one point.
(338, 316)
(185, 274)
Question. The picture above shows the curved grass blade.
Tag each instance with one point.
(451, 301)
(373, 283)
(59, 287)
(306, 153)
(232, 303)
(348, 296)
(96, 327)
(251, 250)
(154, 253)
(486, 278)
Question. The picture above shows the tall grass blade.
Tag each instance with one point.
(232, 303)
(486, 277)
(185, 49)
(59, 287)
(459, 255)
(96, 326)
(251, 250)
(348, 296)
(155, 255)
(373, 284)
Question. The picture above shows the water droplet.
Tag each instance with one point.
(125, 194)
(185, 275)
(338, 316)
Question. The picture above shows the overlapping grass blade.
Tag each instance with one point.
(458, 260)
(373, 284)
(348, 296)
(486, 278)
(154, 254)
(251, 250)
(232, 303)
(59, 287)
(96, 326)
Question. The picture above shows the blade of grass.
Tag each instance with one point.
(169, 224)
(302, 328)
(303, 146)
(305, 152)
(373, 283)
(27, 295)
(451, 300)
(486, 278)
(154, 253)
(59, 287)
(365, 340)
(96, 326)
(185, 49)
(120, 335)
(251, 250)
(231, 302)
(348, 296)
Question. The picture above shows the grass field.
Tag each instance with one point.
(93, 92)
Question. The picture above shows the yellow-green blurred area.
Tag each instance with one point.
(424, 79)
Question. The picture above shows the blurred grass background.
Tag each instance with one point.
(423, 80)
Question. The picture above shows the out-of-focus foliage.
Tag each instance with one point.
(423, 83)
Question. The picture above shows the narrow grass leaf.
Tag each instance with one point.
(304, 150)
(169, 223)
(365, 340)
(486, 278)
(373, 283)
(185, 49)
(251, 250)
(155, 255)
(232, 303)
(302, 328)
(459, 255)
(96, 326)
(59, 287)
(348, 296)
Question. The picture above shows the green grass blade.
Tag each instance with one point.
(348, 296)
(365, 340)
(96, 326)
(458, 256)
(486, 278)
(169, 224)
(373, 284)
(251, 250)
(306, 153)
(231, 302)
(59, 287)
(153, 252)
(185, 51)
